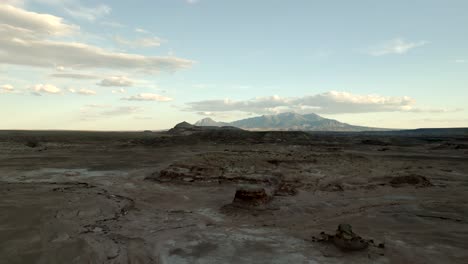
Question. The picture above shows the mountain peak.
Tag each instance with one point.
(210, 122)
(183, 125)
(287, 121)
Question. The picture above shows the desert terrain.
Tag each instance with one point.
(168, 197)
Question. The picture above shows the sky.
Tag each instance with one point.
(133, 65)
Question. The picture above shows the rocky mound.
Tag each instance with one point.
(413, 179)
(185, 128)
(250, 197)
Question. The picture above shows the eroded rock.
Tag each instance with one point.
(250, 197)
(346, 240)
(413, 179)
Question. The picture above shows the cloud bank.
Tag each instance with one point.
(28, 36)
(332, 102)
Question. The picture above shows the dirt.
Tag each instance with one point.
(89, 197)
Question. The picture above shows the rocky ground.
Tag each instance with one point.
(232, 197)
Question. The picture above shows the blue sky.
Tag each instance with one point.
(126, 65)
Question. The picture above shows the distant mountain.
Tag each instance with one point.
(288, 121)
(210, 122)
(185, 128)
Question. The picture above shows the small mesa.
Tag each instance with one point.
(250, 196)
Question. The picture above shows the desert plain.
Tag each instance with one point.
(167, 197)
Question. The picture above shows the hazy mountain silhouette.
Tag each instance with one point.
(288, 121)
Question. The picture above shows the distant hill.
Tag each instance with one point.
(288, 121)
(210, 122)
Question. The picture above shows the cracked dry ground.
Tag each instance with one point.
(118, 202)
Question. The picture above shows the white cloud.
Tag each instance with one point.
(121, 90)
(192, 1)
(6, 88)
(141, 42)
(79, 76)
(86, 92)
(332, 102)
(82, 91)
(116, 81)
(142, 31)
(206, 113)
(396, 46)
(39, 89)
(148, 97)
(26, 34)
(460, 61)
(30, 23)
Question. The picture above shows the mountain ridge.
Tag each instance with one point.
(288, 121)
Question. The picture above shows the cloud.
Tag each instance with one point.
(460, 61)
(435, 110)
(119, 81)
(121, 90)
(88, 13)
(6, 88)
(395, 46)
(148, 97)
(206, 113)
(31, 23)
(332, 102)
(141, 42)
(192, 1)
(39, 89)
(79, 76)
(77, 10)
(82, 91)
(27, 35)
(86, 92)
(141, 31)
